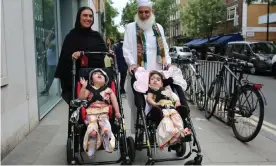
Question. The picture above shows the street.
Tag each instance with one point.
(269, 91)
(46, 145)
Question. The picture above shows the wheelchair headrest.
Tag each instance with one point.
(172, 76)
(84, 72)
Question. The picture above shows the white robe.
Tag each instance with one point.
(130, 55)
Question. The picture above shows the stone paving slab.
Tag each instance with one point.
(46, 145)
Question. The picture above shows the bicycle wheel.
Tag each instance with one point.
(212, 98)
(200, 94)
(185, 71)
(246, 112)
(189, 90)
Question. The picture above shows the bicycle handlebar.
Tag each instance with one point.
(187, 60)
(234, 61)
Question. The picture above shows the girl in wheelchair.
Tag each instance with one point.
(97, 120)
(166, 106)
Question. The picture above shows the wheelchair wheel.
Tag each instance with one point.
(131, 148)
(181, 149)
(196, 161)
(69, 151)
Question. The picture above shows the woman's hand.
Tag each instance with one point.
(111, 52)
(76, 55)
(83, 82)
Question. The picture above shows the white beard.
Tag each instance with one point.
(147, 24)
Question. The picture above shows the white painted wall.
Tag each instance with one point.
(67, 19)
(19, 108)
(95, 26)
(244, 19)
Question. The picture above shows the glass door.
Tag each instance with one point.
(46, 36)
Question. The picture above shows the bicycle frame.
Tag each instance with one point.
(237, 87)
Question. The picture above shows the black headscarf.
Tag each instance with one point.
(79, 39)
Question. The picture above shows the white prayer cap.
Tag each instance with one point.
(144, 3)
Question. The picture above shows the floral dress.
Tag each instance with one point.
(171, 128)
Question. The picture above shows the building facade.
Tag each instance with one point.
(233, 20)
(245, 19)
(254, 22)
(176, 33)
(32, 33)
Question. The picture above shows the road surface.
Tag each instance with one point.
(269, 91)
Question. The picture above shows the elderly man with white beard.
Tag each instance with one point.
(144, 45)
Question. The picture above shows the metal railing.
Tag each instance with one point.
(208, 70)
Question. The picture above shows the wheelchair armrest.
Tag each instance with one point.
(78, 103)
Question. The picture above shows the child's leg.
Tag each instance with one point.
(165, 130)
(92, 136)
(177, 121)
(106, 132)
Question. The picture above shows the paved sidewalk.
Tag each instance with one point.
(46, 145)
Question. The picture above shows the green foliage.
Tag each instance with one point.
(162, 10)
(110, 28)
(201, 17)
(129, 12)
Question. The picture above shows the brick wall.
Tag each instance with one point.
(256, 10)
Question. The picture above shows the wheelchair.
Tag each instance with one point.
(145, 130)
(76, 126)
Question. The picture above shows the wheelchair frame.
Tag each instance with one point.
(73, 128)
(146, 127)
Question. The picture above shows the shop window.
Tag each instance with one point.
(45, 16)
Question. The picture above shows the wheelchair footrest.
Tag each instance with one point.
(187, 138)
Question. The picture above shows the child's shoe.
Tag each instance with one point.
(108, 141)
(92, 147)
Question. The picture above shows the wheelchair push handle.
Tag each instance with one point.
(89, 53)
(133, 72)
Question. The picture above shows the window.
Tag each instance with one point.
(231, 12)
(263, 48)
(46, 42)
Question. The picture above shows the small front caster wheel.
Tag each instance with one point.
(150, 162)
(126, 162)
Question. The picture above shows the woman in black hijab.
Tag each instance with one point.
(81, 38)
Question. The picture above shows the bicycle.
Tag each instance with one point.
(231, 103)
(196, 89)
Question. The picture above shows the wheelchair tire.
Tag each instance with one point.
(181, 150)
(69, 151)
(131, 148)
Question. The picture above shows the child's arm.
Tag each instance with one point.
(83, 93)
(114, 103)
(176, 99)
(150, 99)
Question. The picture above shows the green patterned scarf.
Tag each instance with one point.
(142, 60)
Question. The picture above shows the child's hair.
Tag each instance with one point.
(165, 81)
(158, 73)
(98, 70)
